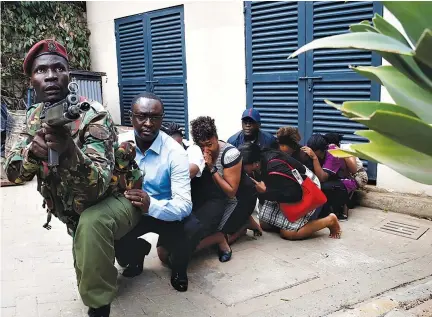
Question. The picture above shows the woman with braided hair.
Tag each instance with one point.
(334, 175)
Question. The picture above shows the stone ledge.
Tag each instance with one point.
(418, 205)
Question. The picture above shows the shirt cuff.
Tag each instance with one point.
(154, 208)
(29, 163)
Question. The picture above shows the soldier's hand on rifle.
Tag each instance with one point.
(139, 199)
(58, 139)
(38, 146)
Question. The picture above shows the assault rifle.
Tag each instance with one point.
(63, 112)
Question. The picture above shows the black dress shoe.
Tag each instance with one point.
(179, 281)
(103, 311)
(224, 256)
(136, 265)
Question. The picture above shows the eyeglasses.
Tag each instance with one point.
(141, 117)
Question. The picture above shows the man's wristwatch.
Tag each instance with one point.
(213, 170)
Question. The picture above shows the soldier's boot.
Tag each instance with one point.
(103, 311)
(136, 262)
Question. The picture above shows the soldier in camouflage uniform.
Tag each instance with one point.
(86, 190)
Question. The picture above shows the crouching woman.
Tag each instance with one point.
(274, 189)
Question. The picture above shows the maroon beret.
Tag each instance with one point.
(44, 47)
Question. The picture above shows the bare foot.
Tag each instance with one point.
(334, 227)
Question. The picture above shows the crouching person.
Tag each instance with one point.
(167, 182)
(79, 190)
(267, 168)
(223, 200)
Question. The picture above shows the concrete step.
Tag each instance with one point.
(410, 204)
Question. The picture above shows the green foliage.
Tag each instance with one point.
(24, 23)
(400, 134)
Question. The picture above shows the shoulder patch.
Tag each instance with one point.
(99, 132)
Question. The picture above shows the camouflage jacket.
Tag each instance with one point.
(87, 177)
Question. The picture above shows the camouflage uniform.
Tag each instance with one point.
(86, 193)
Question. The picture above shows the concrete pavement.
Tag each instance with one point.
(366, 273)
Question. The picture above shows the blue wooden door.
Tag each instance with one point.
(327, 70)
(151, 57)
(131, 61)
(168, 63)
(292, 92)
(274, 30)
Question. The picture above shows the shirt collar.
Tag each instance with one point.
(156, 145)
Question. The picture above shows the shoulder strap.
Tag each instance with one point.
(281, 161)
(284, 175)
(294, 171)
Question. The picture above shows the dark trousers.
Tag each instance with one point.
(337, 197)
(172, 234)
(240, 216)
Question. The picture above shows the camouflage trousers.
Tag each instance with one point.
(93, 248)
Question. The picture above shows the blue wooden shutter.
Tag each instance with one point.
(131, 61)
(331, 77)
(273, 31)
(167, 62)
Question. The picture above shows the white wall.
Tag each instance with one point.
(386, 177)
(215, 58)
(215, 55)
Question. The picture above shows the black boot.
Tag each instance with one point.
(103, 311)
(136, 264)
(179, 280)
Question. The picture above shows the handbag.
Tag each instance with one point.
(312, 198)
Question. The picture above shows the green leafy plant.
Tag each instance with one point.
(400, 134)
(24, 23)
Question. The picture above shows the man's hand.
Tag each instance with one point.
(309, 152)
(58, 139)
(38, 146)
(139, 199)
(260, 186)
(208, 159)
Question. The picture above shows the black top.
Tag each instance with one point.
(280, 188)
(303, 158)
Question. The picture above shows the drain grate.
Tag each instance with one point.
(406, 230)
